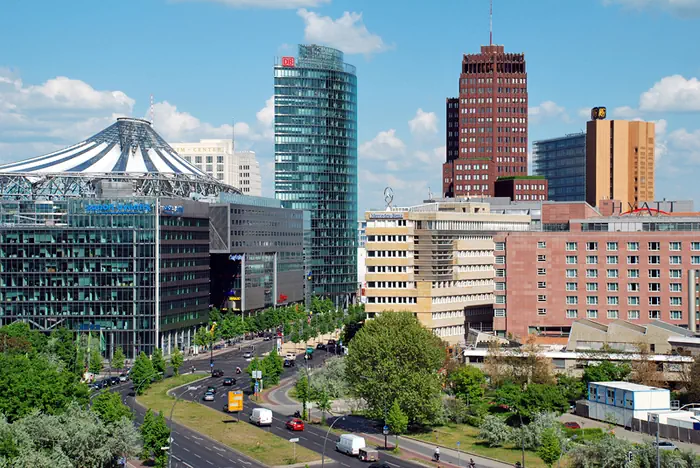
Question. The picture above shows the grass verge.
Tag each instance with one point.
(252, 441)
(468, 437)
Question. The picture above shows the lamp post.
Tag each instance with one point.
(177, 398)
(323, 454)
(522, 437)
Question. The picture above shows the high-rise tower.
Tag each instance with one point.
(316, 160)
(487, 124)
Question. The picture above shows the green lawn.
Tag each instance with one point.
(250, 440)
(449, 435)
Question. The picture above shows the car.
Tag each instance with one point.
(666, 445)
(228, 381)
(572, 425)
(380, 465)
(123, 377)
(321, 346)
(208, 396)
(217, 373)
(295, 424)
(211, 389)
(114, 380)
(247, 355)
(289, 362)
(267, 338)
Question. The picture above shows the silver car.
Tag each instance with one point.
(247, 355)
(208, 396)
(666, 445)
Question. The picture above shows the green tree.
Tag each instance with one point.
(109, 406)
(158, 362)
(508, 395)
(323, 403)
(606, 371)
(550, 450)
(156, 435)
(304, 393)
(571, 387)
(394, 358)
(95, 362)
(693, 382)
(397, 420)
(468, 383)
(540, 398)
(62, 343)
(23, 332)
(494, 431)
(142, 373)
(272, 367)
(606, 452)
(176, 360)
(331, 378)
(29, 383)
(118, 359)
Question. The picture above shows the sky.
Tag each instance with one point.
(68, 69)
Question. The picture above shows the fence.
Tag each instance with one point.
(667, 432)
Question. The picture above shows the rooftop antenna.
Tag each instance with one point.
(152, 110)
(233, 135)
(490, 22)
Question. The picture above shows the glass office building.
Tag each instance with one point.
(562, 161)
(316, 160)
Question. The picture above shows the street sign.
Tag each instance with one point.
(211, 364)
(235, 401)
(385, 430)
(458, 443)
(257, 387)
(257, 374)
(294, 440)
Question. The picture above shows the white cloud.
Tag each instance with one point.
(385, 146)
(266, 115)
(625, 113)
(682, 8)
(584, 113)
(347, 33)
(672, 94)
(268, 4)
(436, 155)
(685, 146)
(546, 111)
(423, 123)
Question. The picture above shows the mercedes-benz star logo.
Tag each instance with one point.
(388, 196)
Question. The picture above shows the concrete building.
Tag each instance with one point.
(619, 161)
(562, 161)
(217, 158)
(487, 125)
(436, 260)
(622, 402)
(521, 188)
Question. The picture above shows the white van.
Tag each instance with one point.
(261, 417)
(350, 444)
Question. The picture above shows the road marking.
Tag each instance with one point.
(198, 456)
(217, 448)
(389, 463)
(209, 462)
(185, 449)
(198, 438)
(344, 464)
(244, 462)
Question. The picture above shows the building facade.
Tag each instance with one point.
(133, 271)
(619, 161)
(218, 159)
(437, 261)
(257, 252)
(316, 160)
(491, 120)
(562, 161)
(521, 188)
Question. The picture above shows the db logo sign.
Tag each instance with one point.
(287, 61)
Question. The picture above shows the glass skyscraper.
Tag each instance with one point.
(562, 161)
(316, 159)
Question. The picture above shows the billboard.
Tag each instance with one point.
(599, 113)
(287, 61)
(235, 401)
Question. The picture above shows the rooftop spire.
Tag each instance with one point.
(490, 22)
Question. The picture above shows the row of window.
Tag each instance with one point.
(469, 176)
(612, 287)
(390, 300)
(631, 259)
(615, 300)
(612, 314)
(611, 273)
(391, 284)
(528, 196)
(371, 238)
(469, 187)
(674, 246)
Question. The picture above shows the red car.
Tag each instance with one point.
(295, 424)
(572, 425)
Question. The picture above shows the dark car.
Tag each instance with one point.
(321, 346)
(289, 363)
(211, 389)
(114, 380)
(380, 465)
(331, 342)
(217, 373)
(228, 381)
(332, 349)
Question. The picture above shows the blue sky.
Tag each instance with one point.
(67, 69)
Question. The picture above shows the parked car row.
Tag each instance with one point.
(109, 382)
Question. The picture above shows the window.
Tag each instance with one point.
(633, 273)
(695, 246)
(541, 258)
(611, 259)
(674, 246)
(500, 260)
(633, 300)
(633, 246)
(612, 246)
(573, 246)
(541, 298)
(500, 286)
(591, 273)
(654, 259)
(499, 312)
(654, 300)
(633, 260)
(570, 273)
(613, 300)
(541, 311)
(613, 287)
(541, 245)
(613, 314)
(676, 301)
(654, 287)
(654, 273)
(500, 246)
(675, 287)
(500, 273)
(571, 300)
(571, 313)
(676, 315)
(541, 271)
(591, 246)
(592, 259)
(591, 287)
(613, 273)
(654, 246)
(592, 314)
(591, 300)
(654, 314)
(674, 259)
(571, 259)
(500, 299)
(695, 260)
(571, 286)
(632, 315)
(541, 284)
(633, 287)
(675, 274)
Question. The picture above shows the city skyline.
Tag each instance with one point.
(401, 121)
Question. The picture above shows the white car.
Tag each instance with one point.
(208, 396)
(666, 445)
(247, 355)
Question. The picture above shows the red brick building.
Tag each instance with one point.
(491, 119)
(522, 188)
(635, 267)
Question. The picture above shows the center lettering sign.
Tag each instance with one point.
(386, 216)
(172, 209)
(287, 61)
(119, 208)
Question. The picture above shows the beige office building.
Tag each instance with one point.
(436, 260)
(619, 162)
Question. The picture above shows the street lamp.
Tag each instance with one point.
(323, 454)
(177, 398)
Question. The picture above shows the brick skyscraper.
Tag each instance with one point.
(487, 124)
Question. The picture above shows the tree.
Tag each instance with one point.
(550, 450)
(397, 420)
(95, 362)
(394, 358)
(606, 452)
(34, 383)
(118, 359)
(323, 403)
(62, 343)
(531, 435)
(606, 371)
(156, 435)
(539, 398)
(331, 378)
(158, 361)
(571, 387)
(142, 373)
(467, 383)
(23, 332)
(644, 369)
(109, 406)
(693, 383)
(522, 366)
(494, 431)
(176, 360)
(272, 367)
(304, 393)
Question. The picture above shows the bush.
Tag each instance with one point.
(494, 431)
(532, 434)
(456, 410)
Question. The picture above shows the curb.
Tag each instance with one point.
(423, 458)
(462, 451)
(298, 465)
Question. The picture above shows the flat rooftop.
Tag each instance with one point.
(633, 387)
